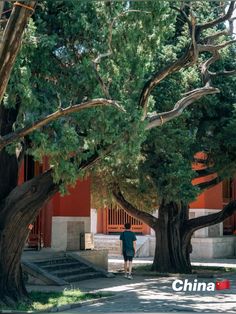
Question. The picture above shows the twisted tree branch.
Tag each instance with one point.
(219, 20)
(182, 62)
(190, 56)
(209, 220)
(11, 137)
(11, 41)
(206, 77)
(224, 73)
(210, 38)
(158, 119)
(212, 48)
(130, 209)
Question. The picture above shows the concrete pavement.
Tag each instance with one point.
(155, 294)
(146, 294)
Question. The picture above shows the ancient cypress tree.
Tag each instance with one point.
(76, 56)
(31, 98)
(58, 58)
(161, 175)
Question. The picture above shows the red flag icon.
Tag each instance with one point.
(222, 284)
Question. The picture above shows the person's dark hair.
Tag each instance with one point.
(128, 225)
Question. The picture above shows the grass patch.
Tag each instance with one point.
(43, 301)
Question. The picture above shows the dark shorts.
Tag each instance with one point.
(127, 258)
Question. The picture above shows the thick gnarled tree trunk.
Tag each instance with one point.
(172, 252)
(17, 211)
(11, 40)
(173, 230)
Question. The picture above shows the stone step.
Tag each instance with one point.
(71, 272)
(54, 261)
(81, 277)
(62, 270)
(53, 267)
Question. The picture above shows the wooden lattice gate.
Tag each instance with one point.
(116, 217)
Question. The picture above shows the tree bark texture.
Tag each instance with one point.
(8, 163)
(19, 209)
(10, 137)
(11, 40)
(173, 230)
(172, 252)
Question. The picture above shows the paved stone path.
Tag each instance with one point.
(147, 294)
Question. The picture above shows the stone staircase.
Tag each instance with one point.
(62, 270)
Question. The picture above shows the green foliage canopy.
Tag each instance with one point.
(163, 168)
(56, 68)
(129, 41)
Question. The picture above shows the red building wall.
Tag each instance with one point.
(210, 199)
(76, 204)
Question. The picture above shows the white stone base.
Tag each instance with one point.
(217, 247)
(212, 231)
(96, 257)
(66, 232)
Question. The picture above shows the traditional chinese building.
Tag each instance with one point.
(63, 219)
(214, 241)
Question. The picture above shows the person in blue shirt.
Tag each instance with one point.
(128, 248)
